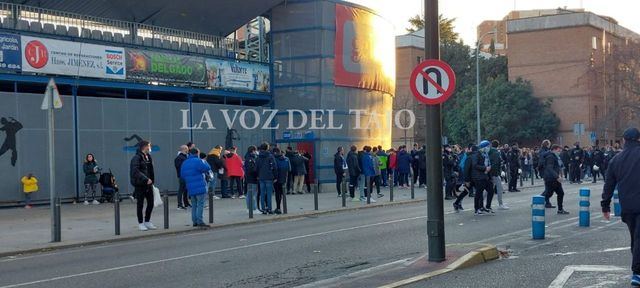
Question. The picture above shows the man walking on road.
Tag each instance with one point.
(550, 164)
(623, 173)
(496, 163)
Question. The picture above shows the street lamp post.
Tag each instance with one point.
(478, 83)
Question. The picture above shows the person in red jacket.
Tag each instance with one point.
(393, 164)
(235, 171)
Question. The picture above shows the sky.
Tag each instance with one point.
(470, 13)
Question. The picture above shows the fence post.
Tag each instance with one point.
(210, 207)
(584, 214)
(413, 194)
(344, 191)
(250, 201)
(165, 204)
(532, 173)
(367, 189)
(537, 217)
(617, 210)
(390, 176)
(116, 208)
(315, 196)
(284, 199)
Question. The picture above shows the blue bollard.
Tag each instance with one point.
(584, 215)
(537, 217)
(617, 210)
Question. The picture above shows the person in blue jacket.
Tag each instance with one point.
(368, 170)
(404, 167)
(193, 173)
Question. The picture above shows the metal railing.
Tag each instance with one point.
(131, 32)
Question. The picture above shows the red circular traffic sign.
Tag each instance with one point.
(432, 82)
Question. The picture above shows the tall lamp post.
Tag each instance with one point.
(478, 83)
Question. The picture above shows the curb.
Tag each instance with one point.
(475, 257)
(214, 226)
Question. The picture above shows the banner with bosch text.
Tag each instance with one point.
(225, 74)
(149, 66)
(364, 50)
(48, 56)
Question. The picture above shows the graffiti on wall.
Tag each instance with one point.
(134, 147)
(10, 126)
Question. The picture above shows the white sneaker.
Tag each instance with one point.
(242, 197)
(95, 202)
(503, 207)
(142, 227)
(150, 226)
(216, 198)
(373, 200)
(86, 203)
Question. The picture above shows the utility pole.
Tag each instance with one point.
(435, 205)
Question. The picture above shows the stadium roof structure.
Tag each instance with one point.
(213, 17)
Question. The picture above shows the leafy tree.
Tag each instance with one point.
(447, 34)
(509, 113)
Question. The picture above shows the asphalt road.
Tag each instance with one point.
(297, 252)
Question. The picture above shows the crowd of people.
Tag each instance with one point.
(477, 171)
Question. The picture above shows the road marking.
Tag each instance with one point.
(590, 252)
(332, 282)
(212, 252)
(565, 274)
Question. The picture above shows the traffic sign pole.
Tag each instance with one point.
(435, 205)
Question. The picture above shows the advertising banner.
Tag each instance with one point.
(225, 74)
(10, 59)
(364, 50)
(152, 66)
(49, 56)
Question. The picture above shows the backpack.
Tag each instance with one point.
(250, 166)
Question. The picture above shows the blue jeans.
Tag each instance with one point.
(197, 209)
(253, 188)
(211, 187)
(266, 189)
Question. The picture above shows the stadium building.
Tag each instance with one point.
(173, 72)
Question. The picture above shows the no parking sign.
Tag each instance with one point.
(432, 82)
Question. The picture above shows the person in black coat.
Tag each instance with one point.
(513, 161)
(565, 157)
(299, 170)
(353, 166)
(576, 160)
(598, 160)
(142, 178)
(339, 166)
(422, 166)
(449, 168)
(551, 175)
(289, 154)
(307, 164)
(183, 197)
(479, 175)
(623, 173)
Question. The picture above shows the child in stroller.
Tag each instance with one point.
(109, 187)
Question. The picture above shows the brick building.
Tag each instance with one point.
(560, 55)
(499, 38)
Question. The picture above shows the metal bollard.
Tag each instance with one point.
(315, 197)
(210, 207)
(284, 201)
(521, 184)
(617, 210)
(344, 192)
(116, 210)
(57, 217)
(584, 214)
(367, 189)
(537, 217)
(250, 199)
(390, 187)
(413, 194)
(165, 203)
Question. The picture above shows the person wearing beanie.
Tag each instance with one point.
(623, 173)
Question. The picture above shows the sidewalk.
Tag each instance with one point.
(29, 229)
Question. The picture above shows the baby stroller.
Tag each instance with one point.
(109, 186)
